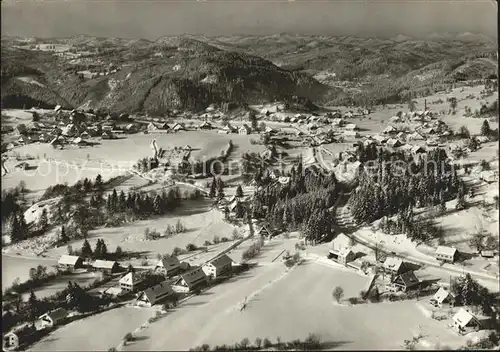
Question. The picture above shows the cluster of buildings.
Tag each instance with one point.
(179, 276)
(402, 278)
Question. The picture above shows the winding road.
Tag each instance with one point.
(348, 226)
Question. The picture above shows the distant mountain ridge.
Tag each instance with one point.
(190, 72)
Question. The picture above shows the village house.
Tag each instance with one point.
(168, 266)
(84, 135)
(51, 319)
(351, 127)
(394, 266)
(446, 254)
(70, 130)
(340, 241)
(266, 232)
(489, 176)
(70, 262)
(405, 282)
(343, 255)
(131, 128)
(390, 130)
(417, 150)
(351, 133)
(244, 129)
(464, 322)
(415, 136)
(205, 125)
(441, 297)
(218, 266)
(108, 135)
(270, 130)
(178, 127)
(394, 143)
(106, 266)
(152, 127)
(487, 254)
(153, 295)
(131, 282)
(190, 281)
(379, 138)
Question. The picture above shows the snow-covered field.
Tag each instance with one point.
(96, 333)
(201, 224)
(290, 306)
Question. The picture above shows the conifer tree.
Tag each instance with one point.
(485, 128)
(64, 237)
(86, 249)
(239, 191)
(43, 222)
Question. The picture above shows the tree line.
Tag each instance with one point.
(302, 203)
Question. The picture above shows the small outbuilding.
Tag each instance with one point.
(70, 262)
(446, 254)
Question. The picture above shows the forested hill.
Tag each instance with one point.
(192, 72)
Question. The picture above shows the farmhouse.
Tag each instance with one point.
(340, 241)
(487, 254)
(218, 266)
(244, 129)
(188, 282)
(351, 127)
(130, 282)
(380, 139)
(70, 262)
(446, 254)
(465, 321)
(70, 130)
(394, 266)
(394, 143)
(405, 281)
(205, 125)
(169, 266)
(178, 127)
(229, 128)
(106, 266)
(131, 128)
(489, 176)
(442, 296)
(389, 130)
(107, 135)
(415, 136)
(417, 150)
(343, 256)
(51, 319)
(266, 232)
(351, 133)
(155, 294)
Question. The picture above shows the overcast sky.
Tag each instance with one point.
(151, 19)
